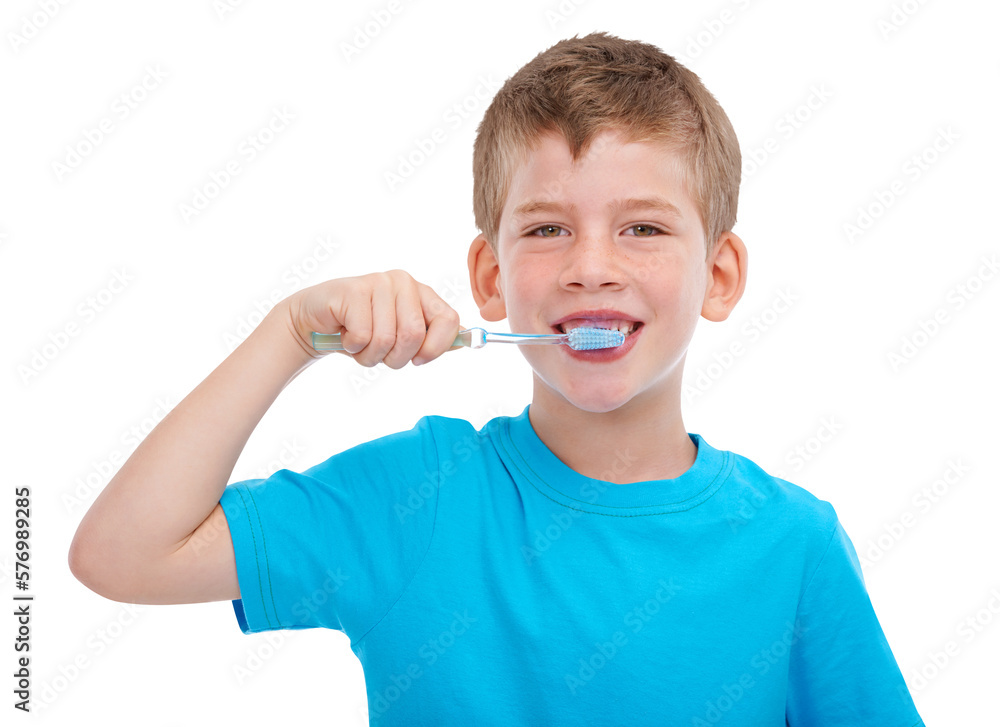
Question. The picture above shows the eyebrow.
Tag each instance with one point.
(616, 206)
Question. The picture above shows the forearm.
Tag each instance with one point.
(177, 474)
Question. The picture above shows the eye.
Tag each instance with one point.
(546, 231)
(645, 230)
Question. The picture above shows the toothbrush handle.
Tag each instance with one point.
(331, 341)
(469, 338)
(326, 341)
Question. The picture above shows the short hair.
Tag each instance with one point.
(582, 86)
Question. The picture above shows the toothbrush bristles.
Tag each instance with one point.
(588, 339)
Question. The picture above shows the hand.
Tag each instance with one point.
(382, 317)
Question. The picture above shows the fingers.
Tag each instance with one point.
(370, 317)
(442, 322)
(383, 312)
(355, 313)
(385, 318)
(409, 325)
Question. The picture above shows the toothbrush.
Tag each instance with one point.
(579, 339)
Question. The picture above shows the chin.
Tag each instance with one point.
(599, 409)
(597, 402)
(597, 395)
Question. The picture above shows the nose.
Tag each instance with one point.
(593, 261)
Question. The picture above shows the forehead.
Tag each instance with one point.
(611, 171)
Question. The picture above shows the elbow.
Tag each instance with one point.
(113, 571)
(81, 564)
(90, 569)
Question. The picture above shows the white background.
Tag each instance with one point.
(893, 76)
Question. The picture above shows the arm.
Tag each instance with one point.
(156, 534)
(841, 670)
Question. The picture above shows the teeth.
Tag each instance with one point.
(625, 327)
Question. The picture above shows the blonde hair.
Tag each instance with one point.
(582, 86)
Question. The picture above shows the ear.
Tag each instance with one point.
(484, 277)
(727, 277)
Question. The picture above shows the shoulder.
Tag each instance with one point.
(778, 505)
(427, 431)
(792, 497)
(445, 425)
(447, 432)
(433, 437)
(434, 444)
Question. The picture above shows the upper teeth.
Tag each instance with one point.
(625, 327)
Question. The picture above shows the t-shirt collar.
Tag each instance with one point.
(527, 455)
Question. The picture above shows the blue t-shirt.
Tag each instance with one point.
(482, 581)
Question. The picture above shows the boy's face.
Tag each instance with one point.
(614, 232)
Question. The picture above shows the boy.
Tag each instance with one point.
(588, 561)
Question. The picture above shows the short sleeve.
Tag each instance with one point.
(841, 669)
(336, 545)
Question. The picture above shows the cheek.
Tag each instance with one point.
(680, 295)
(521, 290)
(689, 285)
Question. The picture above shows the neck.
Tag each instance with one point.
(636, 442)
